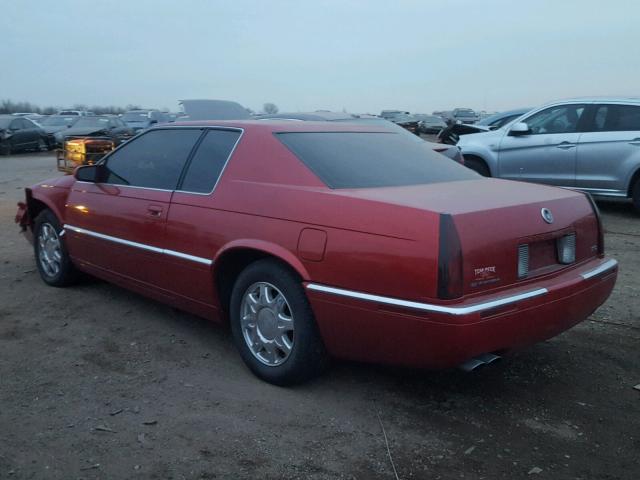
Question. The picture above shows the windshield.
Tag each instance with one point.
(370, 160)
(464, 113)
(54, 121)
(135, 117)
(92, 122)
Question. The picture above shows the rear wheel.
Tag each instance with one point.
(273, 325)
(635, 195)
(477, 164)
(52, 259)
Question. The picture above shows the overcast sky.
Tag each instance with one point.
(363, 56)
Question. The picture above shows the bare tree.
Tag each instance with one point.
(270, 108)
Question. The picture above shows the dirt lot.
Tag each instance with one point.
(97, 382)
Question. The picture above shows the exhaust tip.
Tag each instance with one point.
(478, 361)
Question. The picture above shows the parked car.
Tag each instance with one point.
(464, 115)
(452, 152)
(590, 144)
(213, 110)
(139, 120)
(452, 133)
(390, 114)
(19, 133)
(100, 125)
(429, 123)
(78, 113)
(325, 239)
(497, 120)
(57, 123)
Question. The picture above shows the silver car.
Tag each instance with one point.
(589, 144)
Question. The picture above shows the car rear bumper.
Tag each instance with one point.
(377, 329)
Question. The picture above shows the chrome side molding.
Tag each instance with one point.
(141, 246)
(428, 307)
(608, 265)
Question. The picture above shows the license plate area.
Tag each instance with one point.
(543, 254)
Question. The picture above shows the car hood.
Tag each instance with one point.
(54, 128)
(83, 131)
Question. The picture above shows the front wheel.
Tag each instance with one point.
(52, 259)
(635, 195)
(273, 325)
(478, 165)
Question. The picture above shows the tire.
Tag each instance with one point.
(52, 259)
(42, 146)
(281, 352)
(5, 148)
(635, 195)
(478, 165)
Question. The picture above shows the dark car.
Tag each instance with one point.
(97, 126)
(429, 123)
(19, 134)
(314, 240)
(139, 120)
(451, 152)
(56, 123)
(452, 133)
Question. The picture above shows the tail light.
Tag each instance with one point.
(449, 260)
(596, 211)
(566, 248)
(523, 260)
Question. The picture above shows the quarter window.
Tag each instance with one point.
(210, 158)
(560, 119)
(154, 160)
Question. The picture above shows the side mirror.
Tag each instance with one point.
(519, 128)
(89, 173)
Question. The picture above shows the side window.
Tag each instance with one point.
(16, 124)
(627, 118)
(209, 160)
(600, 118)
(559, 119)
(154, 160)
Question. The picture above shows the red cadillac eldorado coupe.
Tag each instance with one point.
(318, 240)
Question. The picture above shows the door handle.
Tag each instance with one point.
(565, 145)
(154, 210)
(635, 141)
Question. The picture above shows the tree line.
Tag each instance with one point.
(9, 106)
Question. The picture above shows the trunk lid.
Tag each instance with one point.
(500, 225)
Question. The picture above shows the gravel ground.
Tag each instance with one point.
(97, 382)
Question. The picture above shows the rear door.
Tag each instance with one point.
(118, 225)
(547, 154)
(609, 151)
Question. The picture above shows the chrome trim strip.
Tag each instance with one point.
(142, 246)
(608, 265)
(427, 307)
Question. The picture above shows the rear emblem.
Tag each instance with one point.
(547, 216)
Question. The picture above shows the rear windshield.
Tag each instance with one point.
(368, 160)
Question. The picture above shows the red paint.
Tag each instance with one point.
(380, 241)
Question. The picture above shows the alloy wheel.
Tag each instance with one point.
(49, 250)
(267, 323)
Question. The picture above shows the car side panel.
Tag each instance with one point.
(606, 161)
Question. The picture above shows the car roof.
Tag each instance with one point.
(281, 125)
(601, 99)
